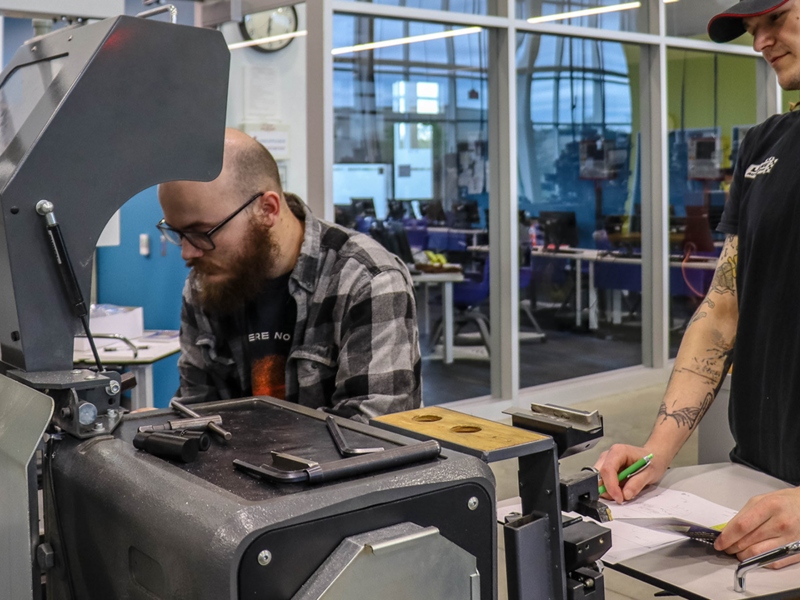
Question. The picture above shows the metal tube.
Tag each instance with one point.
(173, 13)
(762, 560)
(182, 408)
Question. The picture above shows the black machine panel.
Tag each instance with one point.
(292, 563)
(259, 428)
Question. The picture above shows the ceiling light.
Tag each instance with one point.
(585, 13)
(267, 40)
(407, 40)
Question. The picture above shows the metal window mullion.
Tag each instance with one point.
(768, 91)
(503, 200)
(319, 108)
(591, 33)
(385, 11)
(706, 46)
(655, 198)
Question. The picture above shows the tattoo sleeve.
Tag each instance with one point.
(707, 351)
(686, 417)
(724, 281)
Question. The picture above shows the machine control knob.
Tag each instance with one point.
(87, 413)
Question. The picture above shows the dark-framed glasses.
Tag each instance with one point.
(200, 239)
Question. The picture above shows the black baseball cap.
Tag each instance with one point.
(728, 25)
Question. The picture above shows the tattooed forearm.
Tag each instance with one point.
(686, 417)
(700, 313)
(725, 276)
(711, 365)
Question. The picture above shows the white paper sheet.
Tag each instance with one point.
(628, 541)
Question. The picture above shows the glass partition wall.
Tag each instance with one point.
(579, 207)
(580, 133)
(410, 159)
(706, 130)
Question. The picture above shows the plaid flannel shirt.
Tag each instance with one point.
(355, 350)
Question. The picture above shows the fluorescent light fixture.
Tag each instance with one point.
(669, 1)
(407, 40)
(585, 13)
(267, 40)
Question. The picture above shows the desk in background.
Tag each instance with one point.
(695, 570)
(153, 346)
(446, 280)
(601, 256)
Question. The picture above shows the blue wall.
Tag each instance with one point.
(126, 278)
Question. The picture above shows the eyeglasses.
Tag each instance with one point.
(200, 239)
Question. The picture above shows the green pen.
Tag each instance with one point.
(630, 471)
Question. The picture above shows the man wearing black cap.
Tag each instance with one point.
(753, 302)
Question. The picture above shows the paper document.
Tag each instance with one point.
(629, 540)
(654, 504)
(686, 528)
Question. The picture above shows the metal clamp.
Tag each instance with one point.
(762, 560)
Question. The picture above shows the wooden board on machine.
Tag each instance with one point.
(451, 426)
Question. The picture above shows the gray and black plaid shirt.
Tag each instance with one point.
(355, 350)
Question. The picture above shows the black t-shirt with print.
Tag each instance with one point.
(269, 323)
(764, 211)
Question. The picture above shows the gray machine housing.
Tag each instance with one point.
(139, 527)
(124, 104)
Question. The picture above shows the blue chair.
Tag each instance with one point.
(525, 276)
(467, 298)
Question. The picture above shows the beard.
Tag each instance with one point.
(246, 275)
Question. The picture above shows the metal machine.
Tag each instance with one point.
(284, 503)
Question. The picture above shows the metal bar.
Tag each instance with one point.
(319, 108)
(704, 46)
(173, 13)
(578, 291)
(447, 319)
(769, 91)
(443, 17)
(592, 298)
(503, 205)
(587, 32)
(655, 187)
(226, 435)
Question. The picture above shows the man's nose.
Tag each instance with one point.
(188, 251)
(763, 39)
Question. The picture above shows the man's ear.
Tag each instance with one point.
(269, 207)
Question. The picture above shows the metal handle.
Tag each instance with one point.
(341, 443)
(173, 13)
(762, 560)
(114, 336)
(312, 472)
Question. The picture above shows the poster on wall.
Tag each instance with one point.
(275, 138)
(262, 102)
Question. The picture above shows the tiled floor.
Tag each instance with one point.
(628, 418)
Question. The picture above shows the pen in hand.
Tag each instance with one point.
(630, 471)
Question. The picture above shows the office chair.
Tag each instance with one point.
(467, 298)
(525, 276)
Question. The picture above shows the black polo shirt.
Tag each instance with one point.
(764, 211)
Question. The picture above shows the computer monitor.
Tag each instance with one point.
(560, 228)
(433, 211)
(467, 213)
(394, 238)
(363, 207)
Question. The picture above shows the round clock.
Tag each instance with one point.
(269, 23)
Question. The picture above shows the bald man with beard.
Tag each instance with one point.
(279, 303)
